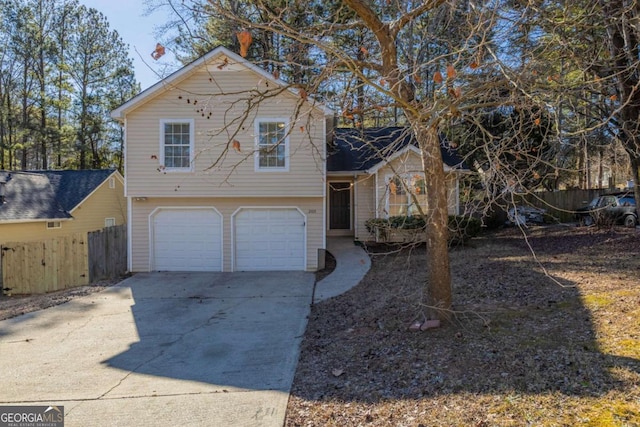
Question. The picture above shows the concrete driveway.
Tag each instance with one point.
(163, 349)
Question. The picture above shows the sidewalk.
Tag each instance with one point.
(352, 263)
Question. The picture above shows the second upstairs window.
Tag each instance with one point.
(272, 152)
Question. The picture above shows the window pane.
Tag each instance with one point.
(272, 144)
(177, 145)
(406, 195)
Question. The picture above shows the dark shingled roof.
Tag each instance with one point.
(353, 150)
(73, 186)
(40, 195)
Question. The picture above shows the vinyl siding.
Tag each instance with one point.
(365, 205)
(90, 215)
(217, 99)
(140, 227)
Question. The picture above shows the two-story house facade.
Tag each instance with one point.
(225, 170)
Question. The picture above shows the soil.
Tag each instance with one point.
(329, 266)
(545, 332)
(12, 306)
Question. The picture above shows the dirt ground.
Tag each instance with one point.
(546, 332)
(11, 306)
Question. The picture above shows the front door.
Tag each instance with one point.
(339, 206)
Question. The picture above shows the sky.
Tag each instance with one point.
(127, 18)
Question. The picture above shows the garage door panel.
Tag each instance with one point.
(269, 239)
(187, 240)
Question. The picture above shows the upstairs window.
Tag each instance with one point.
(176, 144)
(272, 151)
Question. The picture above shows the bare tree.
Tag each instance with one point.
(427, 63)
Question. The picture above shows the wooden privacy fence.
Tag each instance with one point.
(562, 204)
(64, 262)
(45, 266)
(107, 253)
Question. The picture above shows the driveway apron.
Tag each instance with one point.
(163, 349)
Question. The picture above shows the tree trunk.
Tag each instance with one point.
(43, 138)
(437, 292)
(43, 109)
(25, 115)
(59, 136)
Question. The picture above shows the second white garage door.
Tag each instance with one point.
(187, 240)
(269, 239)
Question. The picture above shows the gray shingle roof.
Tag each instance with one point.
(73, 186)
(42, 195)
(361, 149)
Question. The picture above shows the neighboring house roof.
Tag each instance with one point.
(47, 195)
(173, 79)
(73, 186)
(364, 150)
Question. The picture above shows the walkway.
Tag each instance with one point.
(352, 263)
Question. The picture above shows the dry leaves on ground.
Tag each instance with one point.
(550, 340)
(12, 306)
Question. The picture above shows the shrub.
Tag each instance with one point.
(461, 228)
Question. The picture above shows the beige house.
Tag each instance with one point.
(226, 170)
(377, 173)
(39, 205)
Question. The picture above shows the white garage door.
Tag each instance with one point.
(269, 239)
(187, 240)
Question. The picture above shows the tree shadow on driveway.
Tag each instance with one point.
(229, 330)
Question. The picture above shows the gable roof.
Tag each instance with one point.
(174, 78)
(365, 150)
(47, 195)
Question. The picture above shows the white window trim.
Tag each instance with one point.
(110, 219)
(192, 133)
(112, 183)
(387, 180)
(257, 167)
(54, 225)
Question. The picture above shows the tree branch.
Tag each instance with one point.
(396, 26)
(371, 20)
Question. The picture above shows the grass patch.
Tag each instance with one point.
(597, 300)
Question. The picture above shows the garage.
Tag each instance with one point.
(269, 239)
(186, 240)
